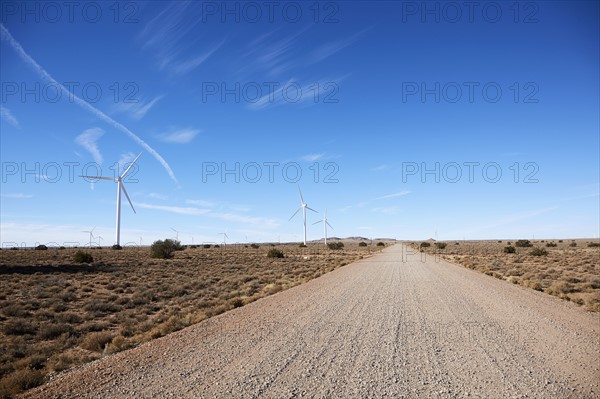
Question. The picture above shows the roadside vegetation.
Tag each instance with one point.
(60, 308)
(568, 269)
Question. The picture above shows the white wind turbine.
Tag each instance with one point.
(120, 187)
(176, 234)
(303, 206)
(224, 237)
(91, 233)
(325, 224)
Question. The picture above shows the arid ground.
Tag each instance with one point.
(568, 269)
(399, 324)
(56, 314)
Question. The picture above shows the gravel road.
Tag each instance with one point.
(394, 325)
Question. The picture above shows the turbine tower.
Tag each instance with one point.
(325, 224)
(224, 237)
(176, 234)
(303, 206)
(91, 232)
(120, 187)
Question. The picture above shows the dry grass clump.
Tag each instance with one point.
(57, 313)
(568, 269)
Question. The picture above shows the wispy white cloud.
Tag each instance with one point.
(292, 92)
(192, 211)
(183, 67)
(200, 202)
(271, 53)
(158, 196)
(137, 110)
(387, 210)
(394, 195)
(125, 159)
(168, 32)
(313, 157)
(181, 136)
(89, 140)
(9, 117)
(16, 195)
(328, 49)
(6, 36)
(226, 216)
(380, 168)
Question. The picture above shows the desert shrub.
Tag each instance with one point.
(19, 327)
(594, 244)
(380, 244)
(538, 252)
(441, 245)
(425, 244)
(96, 341)
(41, 247)
(573, 244)
(100, 307)
(164, 249)
(255, 246)
(206, 246)
(83, 257)
(237, 302)
(509, 249)
(362, 244)
(274, 253)
(560, 240)
(21, 380)
(51, 330)
(117, 247)
(302, 245)
(118, 344)
(15, 310)
(193, 246)
(523, 243)
(551, 244)
(335, 245)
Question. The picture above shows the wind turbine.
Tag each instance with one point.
(224, 237)
(120, 187)
(100, 238)
(176, 234)
(325, 224)
(303, 206)
(91, 233)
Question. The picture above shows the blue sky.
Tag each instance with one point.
(407, 120)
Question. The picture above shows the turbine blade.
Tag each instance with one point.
(308, 207)
(130, 165)
(301, 198)
(318, 221)
(297, 210)
(330, 226)
(127, 195)
(99, 178)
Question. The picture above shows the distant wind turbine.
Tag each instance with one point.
(303, 206)
(120, 187)
(100, 239)
(176, 234)
(325, 224)
(91, 233)
(224, 237)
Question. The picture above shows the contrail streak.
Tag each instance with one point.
(82, 103)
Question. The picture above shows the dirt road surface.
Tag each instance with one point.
(394, 325)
